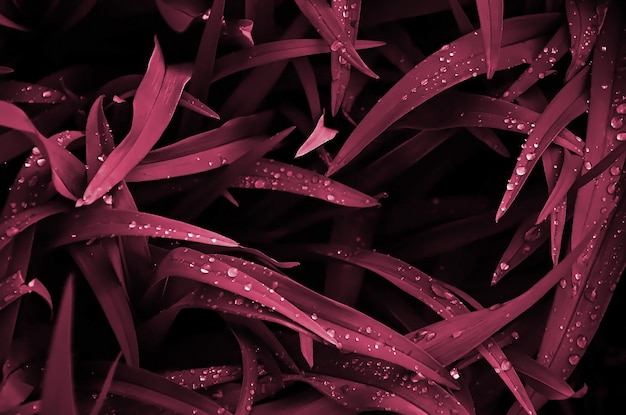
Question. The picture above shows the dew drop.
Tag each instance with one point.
(504, 266)
(232, 272)
(259, 184)
(132, 225)
(615, 170)
(617, 122)
(108, 199)
(563, 283)
(330, 197)
(41, 162)
(588, 165)
(313, 316)
(621, 136)
(456, 334)
(529, 156)
(247, 287)
(520, 171)
(336, 45)
(610, 189)
(505, 365)
(591, 294)
(581, 341)
(454, 372)
(12, 231)
(331, 333)
(621, 109)
(532, 234)
(205, 268)
(573, 359)
(46, 94)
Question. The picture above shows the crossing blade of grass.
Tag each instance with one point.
(432, 293)
(89, 223)
(269, 52)
(321, 16)
(194, 163)
(308, 79)
(320, 135)
(558, 216)
(97, 270)
(348, 12)
(455, 336)
(491, 15)
(541, 66)
(585, 20)
(153, 106)
(540, 378)
(202, 377)
(452, 64)
(569, 103)
(144, 386)
(365, 335)
(490, 139)
(194, 104)
(273, 175)
(106, 386)
(58, 381)
(566, 178)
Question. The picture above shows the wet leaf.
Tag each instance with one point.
(274, 175)
(191, 103)
(58, 384)
(26, 218)
(13, 287)
(154, 104)
(306, 347)
(308, 79)
(348, 13)
(490, 13)
(250, 371)
(567, 176)
(452, 64)
(321, 16)
(540, 378)
(204, 377)
(585, 20)
(569, 103)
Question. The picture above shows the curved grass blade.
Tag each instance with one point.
(569, 103)
(14, 287)
(362, 397)
(305, 72)
(306, 348)
(23, 92)
(147, 387)
(455, 336)
(89, 223)
(321, 16)
(154, 104)
(490, 139)
(435, 296)
(26, 218)
(274, 175)
(204, 377)
(452, 64)
(585, 20)
(194, 163)
(269, 52)
(551, 159)
(106, 386)
(99, 139)
(540, 378)
(67, 171)
(364, 334)
(348, 13)
(320, 135)
(491, 15)
(92, 261)
(5, 70)
(234, 279)
(58, 384)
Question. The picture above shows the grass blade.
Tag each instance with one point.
(491, 15)
(464, 59)
(249, 363)
(58, 384)
(92, 261)
(274, 175)
(91, 223)
(348, 13)
(23, 92)
(106, 386)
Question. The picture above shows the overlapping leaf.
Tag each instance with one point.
(452, 64)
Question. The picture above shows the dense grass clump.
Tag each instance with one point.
(304, 207)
